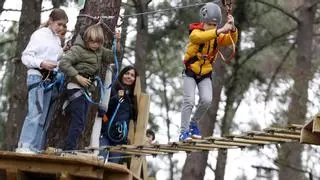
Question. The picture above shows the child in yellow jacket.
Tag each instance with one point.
(204, 41)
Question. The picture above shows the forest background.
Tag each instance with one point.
(273, 80)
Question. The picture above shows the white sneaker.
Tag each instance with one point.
(25, 151)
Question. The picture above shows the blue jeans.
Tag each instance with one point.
(110, 156)
(35, 125)
(78, 109)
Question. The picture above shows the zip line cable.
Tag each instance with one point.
(163, 10)
(143, 13)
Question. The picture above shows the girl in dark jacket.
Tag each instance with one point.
(121, 110)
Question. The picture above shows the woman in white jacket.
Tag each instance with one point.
(41, 58)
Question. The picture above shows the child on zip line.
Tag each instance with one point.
(204, 41)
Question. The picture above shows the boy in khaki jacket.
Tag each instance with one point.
(81, 64)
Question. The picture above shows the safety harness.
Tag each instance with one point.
(97, 82)
(49, 80)
(206, 57)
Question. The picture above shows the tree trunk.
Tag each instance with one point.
(168, 122)
(60, 123)
(56, 3)
(28, 23)
(289, 159)
(124, 32)
(196, 163)
(141, 46)
(1, 5)
(234, 92)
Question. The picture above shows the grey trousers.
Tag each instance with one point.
(205, 98)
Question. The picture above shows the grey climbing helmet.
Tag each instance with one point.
(210, 12)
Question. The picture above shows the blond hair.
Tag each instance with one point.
(94, 33)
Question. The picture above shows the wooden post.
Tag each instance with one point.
(142, 122)
(316, 123)
(66, 176)
(144, 168)
(137, 134)
(15, 174)
(310, 133)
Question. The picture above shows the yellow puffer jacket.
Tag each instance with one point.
(201, 62)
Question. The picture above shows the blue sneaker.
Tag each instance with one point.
(194, 130)
(184, 136)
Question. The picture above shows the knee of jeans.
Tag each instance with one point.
(188, 101)
(33, 117)
(206, 101)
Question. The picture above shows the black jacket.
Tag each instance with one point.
(125, 111)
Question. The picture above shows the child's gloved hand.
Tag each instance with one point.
(83, 81)
(226, 28)
(230, 19)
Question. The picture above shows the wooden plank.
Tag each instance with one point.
(135, 153)
(144, 168)
(173, 148)
(142, 122)
(221, 141)
(131, 132)
(6, 155)
(273, 135)
(284, 135)
(66, 176)
(144, 151)
(295, 126)
(277, 135)
(14, 174)
(240, 144)
(137, 89)
(249, 141)
(207, 144)
(280, 130)
(52, 168)
(316, 123)
(152, 148)
(48, 164)
(118, 177)
(308, 136)
(215, 146)
(20, 164)
(201, 146)
(265, 138)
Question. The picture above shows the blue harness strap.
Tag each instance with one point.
(48, 84)
(121, 126)
(104, 87)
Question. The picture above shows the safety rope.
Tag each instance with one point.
(47, 84)
(123, 127)
(228, 5)
(104, 87)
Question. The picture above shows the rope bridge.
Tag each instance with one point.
(272, 135)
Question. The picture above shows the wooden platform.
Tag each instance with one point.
(17, 166)
(310, 133)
